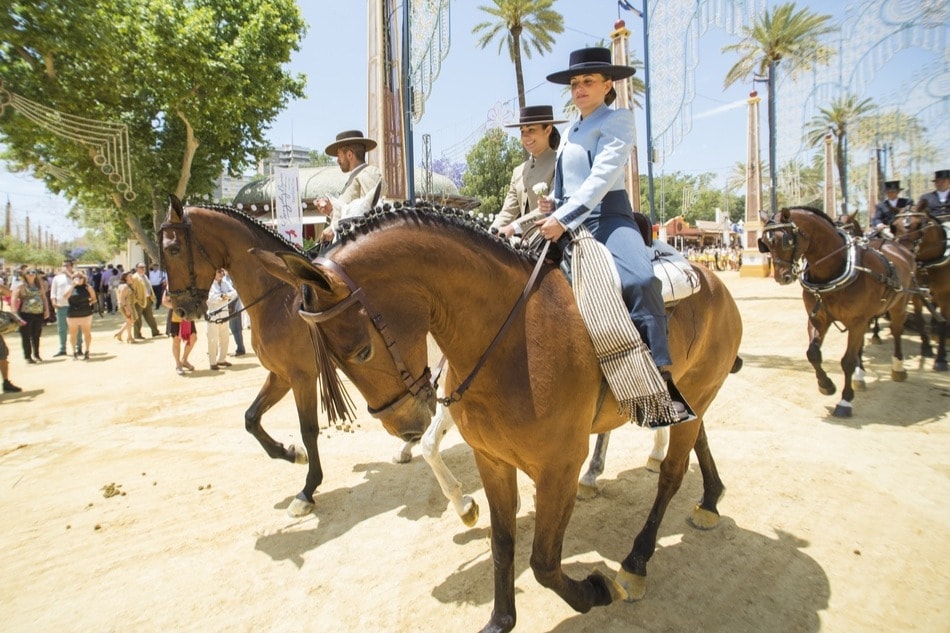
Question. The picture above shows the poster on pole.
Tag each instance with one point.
(287, 212)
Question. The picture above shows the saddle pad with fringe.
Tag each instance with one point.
(625, 360)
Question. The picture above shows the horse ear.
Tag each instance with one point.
(175, 211)
(275, 266)
(291, 268)
(377, 193)
(304, 271)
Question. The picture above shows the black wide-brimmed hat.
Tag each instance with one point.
(586, 61)
(536, 115)
(941, 174)
(350, 137)
(892, 185)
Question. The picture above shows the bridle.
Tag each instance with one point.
(424, 386)
(790, 235)
(421, 387)
(191, 292)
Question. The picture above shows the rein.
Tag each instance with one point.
(425, 384)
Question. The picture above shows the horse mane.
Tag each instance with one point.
(817, 212)
(474, 226)
(252, 223)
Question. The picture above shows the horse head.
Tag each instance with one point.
(177, 244)
(848, 222)
(384, 355)
(909, 225)
(780, 238)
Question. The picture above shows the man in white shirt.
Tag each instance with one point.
(156, 279)
(63, 281)
(219, 296)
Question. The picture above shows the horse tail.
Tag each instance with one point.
(736, 366)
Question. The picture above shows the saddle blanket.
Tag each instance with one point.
(674, 272)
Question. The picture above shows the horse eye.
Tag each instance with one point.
(174, 249)
(307, 296)
(364, 354)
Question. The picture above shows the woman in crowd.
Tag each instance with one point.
(81, 301)
(123, 302)
(181, 330)
(32, 305)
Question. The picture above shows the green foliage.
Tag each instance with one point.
(197, 83)
(319, 159)
(490, 163)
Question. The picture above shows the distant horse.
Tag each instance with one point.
(929, 240)
(531, 401)
(843, 282)
(197, 241)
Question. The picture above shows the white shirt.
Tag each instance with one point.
(61, 283)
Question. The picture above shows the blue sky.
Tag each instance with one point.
(476, 85)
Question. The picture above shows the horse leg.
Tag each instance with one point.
(465, 506)
(661, 437)
(587, 487)
(817, 331)
(706, 513)
(926, 350)
(848, 364)
(271, 392)
(556, 490)
(633, 572)
(305, 396)
(501, 489)
(875, 332)
(898, 318)
(858, 381)
(404, 454)
(940, 363)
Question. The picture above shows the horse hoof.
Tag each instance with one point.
(633, 585)
(300, 508)
(470, 516)
(402, 457)
(585, 492)
(898, 376)
(653, 464)
(703, 519)
(300, 455)
(876, 339)
(940, 365)
(613, 587)
(859, 385)
(842, 411)
(826, 390)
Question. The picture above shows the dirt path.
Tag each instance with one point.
(832, 525)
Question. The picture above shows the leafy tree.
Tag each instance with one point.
(197, 84)
(320, 159)
(533, 22)
(783, 34)
(843, 112)
(490, 163)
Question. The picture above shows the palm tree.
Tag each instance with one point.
(531, 21)
(784, 34)
(835, 119)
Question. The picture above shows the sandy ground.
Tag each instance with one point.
(828, 524)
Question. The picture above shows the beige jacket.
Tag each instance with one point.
(521, 198)
(362, 181)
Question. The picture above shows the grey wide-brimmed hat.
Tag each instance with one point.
(536, 115)
(350, 137)
(892, 185)
(586, 61)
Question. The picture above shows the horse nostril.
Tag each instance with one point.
(179, 312)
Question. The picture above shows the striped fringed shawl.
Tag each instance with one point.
(625, 360)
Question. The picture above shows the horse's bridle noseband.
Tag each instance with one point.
(191, 291)
(421, 388)
(794, 261)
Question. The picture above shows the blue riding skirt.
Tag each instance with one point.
(612, 224)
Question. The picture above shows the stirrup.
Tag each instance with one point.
(684, 412)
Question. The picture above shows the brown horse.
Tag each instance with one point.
(532, 402)
(843, 281)
(929, 240)
(196, 242)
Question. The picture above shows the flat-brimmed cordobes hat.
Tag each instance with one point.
(941, 174)
(536, 115)
(587, 61)
(350, 137)
(892, 185)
